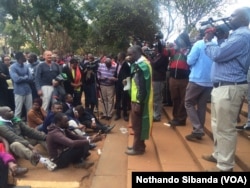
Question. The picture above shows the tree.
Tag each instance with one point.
(114, 23)
(193, 10)
(48, 24)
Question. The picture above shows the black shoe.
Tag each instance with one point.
(177, 123)
(117, 117)
(19, 171)
(92, 146)
(156, 120)
(103, 117)
(195, 136)
(35, 157)
(108, 118)
(125, 118)
(109, 128)
(243, 127)
(129, 148)
(84, 164)
(133, 152)
(209, 158)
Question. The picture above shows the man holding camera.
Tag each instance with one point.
(229, 76)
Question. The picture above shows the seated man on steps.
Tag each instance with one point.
(22, 138)
(66, 147)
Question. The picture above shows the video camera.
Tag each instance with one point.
(223, 27)
(91, 66)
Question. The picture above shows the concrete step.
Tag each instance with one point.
(167, 151)
(205, 146)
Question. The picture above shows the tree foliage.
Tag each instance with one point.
(116, 22)
(48, 24)
(193, 10)
(95, 25)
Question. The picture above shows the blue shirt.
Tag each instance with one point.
(21, 78)
(200, 65)
(231, 58)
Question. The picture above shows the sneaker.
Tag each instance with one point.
(209, 158)
(49, 164)
(243, 127)
(34, 160)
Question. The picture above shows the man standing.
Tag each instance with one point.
(107, 87)
(122, 99)
(198, 89)
(159, 67)
(229, 76)
(141, 100)
(21, 77)
(32, 59)
(46, 73)
(73, 85)
(4, 76)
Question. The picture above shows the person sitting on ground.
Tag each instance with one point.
(56, 107)
(8, 163)
(74, 124)
(22, 138)
(36, 114)
(64, 147)
(87, 118)
(67, 102)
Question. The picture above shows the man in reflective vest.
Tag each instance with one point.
(141, 100)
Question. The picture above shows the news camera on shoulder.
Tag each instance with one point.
(221, 26)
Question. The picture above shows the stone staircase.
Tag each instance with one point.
(167, 151)
(205, 146)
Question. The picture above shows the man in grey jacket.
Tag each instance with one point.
(22, 138)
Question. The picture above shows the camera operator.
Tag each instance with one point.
(89, 70)
(229, 76)
(159, 62)
(179, 72)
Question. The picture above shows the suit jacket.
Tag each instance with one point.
(3, 81)
(70, 79)
(123, 74)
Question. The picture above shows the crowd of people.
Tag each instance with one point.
(54, 102)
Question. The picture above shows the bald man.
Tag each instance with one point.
(22, 138)
(45, 75)
(229, 77)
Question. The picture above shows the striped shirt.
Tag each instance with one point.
(105, 73)
(232, 58)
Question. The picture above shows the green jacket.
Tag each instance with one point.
(142, 93)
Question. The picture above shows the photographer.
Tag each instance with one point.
(159, 64)
(89, 70)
